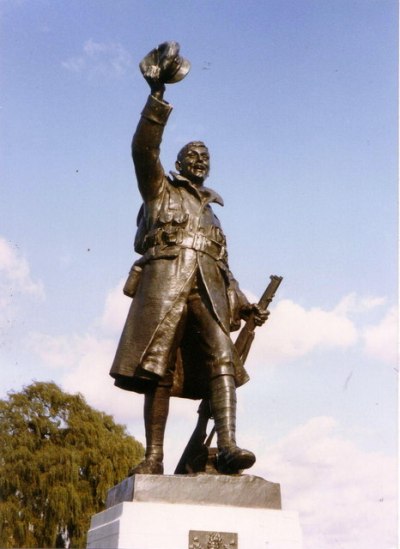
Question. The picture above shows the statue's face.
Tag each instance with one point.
(195, 164)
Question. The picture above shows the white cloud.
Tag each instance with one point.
(84, 363)
(90, 376)
(353, 304)
(381, 340)
(100, 59)
(115, 310)
(16, 285)
(346, 497)
(15, 272)
(56, 352)
(293, 331)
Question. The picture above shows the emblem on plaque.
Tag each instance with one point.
(212, 540)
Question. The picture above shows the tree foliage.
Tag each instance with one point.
(58, 458)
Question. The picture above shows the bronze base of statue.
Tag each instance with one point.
(235, 490)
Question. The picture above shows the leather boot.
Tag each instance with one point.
(156, 406)
(231, 459)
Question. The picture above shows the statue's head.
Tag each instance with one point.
(193, 162)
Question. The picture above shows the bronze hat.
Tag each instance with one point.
(165, 64)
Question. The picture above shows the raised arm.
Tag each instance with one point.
(146, 145)
(162, 65)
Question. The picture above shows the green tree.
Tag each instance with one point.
(58, 458)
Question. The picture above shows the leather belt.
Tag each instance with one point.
(182, 239)
(201, 243)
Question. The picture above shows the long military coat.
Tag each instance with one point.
(179, 237)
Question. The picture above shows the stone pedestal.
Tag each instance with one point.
(194, 512)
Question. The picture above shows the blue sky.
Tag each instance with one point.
(297, 101)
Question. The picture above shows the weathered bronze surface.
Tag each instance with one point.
(185, 300)
(232, 490)
(212, 540)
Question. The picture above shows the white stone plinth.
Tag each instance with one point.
(188, 511)
(146, 525)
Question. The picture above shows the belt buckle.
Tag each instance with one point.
(199, 242)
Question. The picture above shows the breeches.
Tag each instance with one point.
(206, 349)
(214, 344)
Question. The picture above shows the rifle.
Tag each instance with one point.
(195, 455)
(247, 333)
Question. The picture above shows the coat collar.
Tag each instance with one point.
(203, 193)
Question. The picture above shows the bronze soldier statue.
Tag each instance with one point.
(185, 301)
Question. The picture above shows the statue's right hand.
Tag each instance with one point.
(163, 65)
(157, 88)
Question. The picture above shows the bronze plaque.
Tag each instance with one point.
(212, 540)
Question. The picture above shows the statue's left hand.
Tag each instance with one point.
(260, 315)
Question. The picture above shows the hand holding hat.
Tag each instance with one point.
(164, 65)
